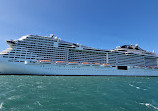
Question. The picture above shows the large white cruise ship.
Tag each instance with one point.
(40, 55)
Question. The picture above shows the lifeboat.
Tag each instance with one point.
(155, 67)
(73, 63)
(95, 64)
(105, 65)
(61, 62)
(152, 67)
(141, 66)
(45, 61)
(149, 67)
(85, 63)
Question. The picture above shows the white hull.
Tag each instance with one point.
(54, 69)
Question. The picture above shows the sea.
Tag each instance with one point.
(78, 93)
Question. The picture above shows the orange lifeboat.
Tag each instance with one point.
(45, 61)
(85, 63)
(106, 64)
(72, 63)
(149, 67)
(61, 62)
(155, 67)
(95, 64)
(141, 66)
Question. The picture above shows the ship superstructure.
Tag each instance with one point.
(52, 55)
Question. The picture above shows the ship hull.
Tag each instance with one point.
(12, 68)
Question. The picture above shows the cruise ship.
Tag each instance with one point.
(42, 55)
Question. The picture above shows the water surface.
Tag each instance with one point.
(78, 93)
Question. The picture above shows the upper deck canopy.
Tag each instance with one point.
(136, 47)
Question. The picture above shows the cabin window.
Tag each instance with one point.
(122, 68)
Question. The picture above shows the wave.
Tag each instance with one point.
(149, 105)
(1, 105)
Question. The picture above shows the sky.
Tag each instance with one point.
(102, 24)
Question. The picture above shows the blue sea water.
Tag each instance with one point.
(78, 93)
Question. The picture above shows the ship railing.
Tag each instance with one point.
(68, 63)
(85, 64)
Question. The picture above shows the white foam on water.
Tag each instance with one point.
(38, 82)
(13, 97)
(134, 86)
(1, 105)
(20, 85)
(39, 87)
(38, 103)
(149, 105)
(138, 87)
(131, 85)
(139, 82)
